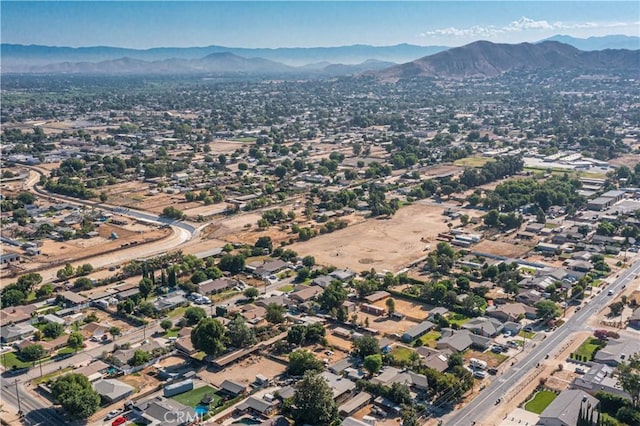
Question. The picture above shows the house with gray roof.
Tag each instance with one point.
(14, 332)
(340, 386)
(170, 301)
(112, 390)
(489, 327)
(354, 404)
(233, 387)
(600, 377)
(617, 351)
(459, 340)
(164, 411)
(417, 331)
(565, 409)
(256, 406)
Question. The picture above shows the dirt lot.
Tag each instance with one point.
(385, 325)
(492, 360)
(170, 361)
(141, 381)
(320, 353)
(413, 310)
(501, 248)
(54, 251)
(137, 194)
(245, 371)
(383, 244)
(344, 345)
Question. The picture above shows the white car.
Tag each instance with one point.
(113, 414)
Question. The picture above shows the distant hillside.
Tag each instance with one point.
(486, 59)
(599, 43)
(17, 56)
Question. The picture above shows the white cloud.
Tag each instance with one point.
(522, 24)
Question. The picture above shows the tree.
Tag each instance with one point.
(13, 297)
(44, 290)
(409, 416)
(275, 313)
(313, 401)
(265, 243)
(251, 293)
(491, 219)
(173, 213)
(333, 296)
(308, 261)
(32, 352)
(372, 363)
(464, 219)
(85, 269)
(115, 331)
(455, 359)
(391, 306)
(145, 286)
(629, 378)
(193, 315)
(239, 334)
(616, 309)
(365, 346)
(27, 282)
(546, 309)
(199, 276)
(65, 272)
(297, 334)
(139, 357)
(208, 336)
(232, 263)
(76, 395)
(75, 340)
(83, 283)
(301, 361)
(166, 324)
(52, 330)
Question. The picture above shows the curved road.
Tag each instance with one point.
(481, 404)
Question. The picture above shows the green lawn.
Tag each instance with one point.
(430, 338)
(173, 332)
(472, 161)
(10, 359)
(401, 354)
(527, 334)
(66, 350)
(177, 312)
(224, 295)
(540, 401)
(589, 347)
(245, 139)
(194, 396)
(458, 319)
(286, 288)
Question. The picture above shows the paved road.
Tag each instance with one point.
(478, 408)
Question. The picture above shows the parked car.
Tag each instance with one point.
(580, 370)
(119, 421)
(479, 374)
(113, 414)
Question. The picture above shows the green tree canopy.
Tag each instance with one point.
(208, 336)
(313, 402)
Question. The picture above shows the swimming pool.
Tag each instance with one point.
(201, 410)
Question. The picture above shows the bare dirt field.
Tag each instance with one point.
(138, 195)
(54, 251)
(384, 324)
(141, 381)
(223, 146)
(413, 310)
(320, 353)
(629, 160)
(500, 248)
(338, 342)
(383, 244)
(169, 361)
(492, 360)
(245, 371)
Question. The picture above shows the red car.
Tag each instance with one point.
(119, 421)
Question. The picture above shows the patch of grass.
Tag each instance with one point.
(173, 332)
(11, 359)
(245, 139)
(199, 356)
(401, 354)
(458, 319)
(286, 288)
(550, 225)
(223, 296)
(50, 376)
(430, 338)
(66, 350)
(473, 161)
(588, 348)
(540, 401)
(527, 334)
(194, 396)
(596, 283)
(177, 312)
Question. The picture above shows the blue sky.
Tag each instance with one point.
(305, 23)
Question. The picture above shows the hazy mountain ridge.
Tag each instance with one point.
(599, 43)
(16, 55)
(486, 59)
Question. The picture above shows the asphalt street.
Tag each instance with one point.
(476, 410)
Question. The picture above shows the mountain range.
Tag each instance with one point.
(478, 59)
(486, 59)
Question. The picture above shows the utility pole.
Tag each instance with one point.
(40, 366)
(18, 398)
